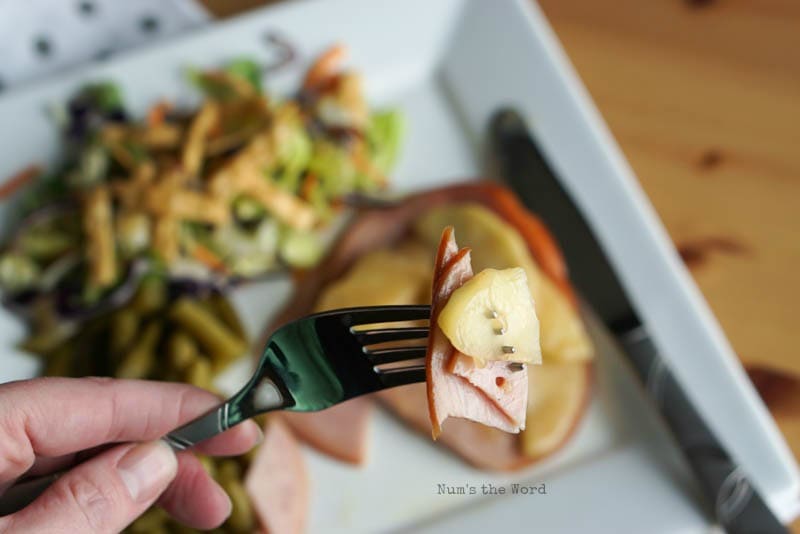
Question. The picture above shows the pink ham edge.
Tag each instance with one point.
(277, 481)
(507, 389)
(451, 395)
(341, 431)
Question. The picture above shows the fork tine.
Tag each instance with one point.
(395, 354)
(402, 376)
(382, 314)
(382, 335)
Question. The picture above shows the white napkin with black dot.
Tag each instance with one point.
(38, 37)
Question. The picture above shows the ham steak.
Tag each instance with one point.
(388, 226)
(277, 481)
(340, 431)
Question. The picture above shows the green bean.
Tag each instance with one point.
(199, 373)
(46, 244)
(225, 311)
(40, 343)
(47, 335)
(228, 469)
(124, 327)
(241, 518)
(178, 528)
(141, 357)
(247, 458)
(208, 465)
(181, 350)
(59, 363)
(219, 341)
(151, 295)
(153, 520)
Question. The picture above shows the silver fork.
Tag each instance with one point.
(321, 360)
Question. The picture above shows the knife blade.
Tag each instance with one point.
(731, 498)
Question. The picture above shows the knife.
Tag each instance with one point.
(732, 499)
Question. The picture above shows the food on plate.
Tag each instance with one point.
(514, 239)
(323, 430)
(556, 399)
(474, 320)
(365, 285)
(277, 481)
(391, 249)
(228, 472)
(242, 185)
(511, 334)
(124, 252)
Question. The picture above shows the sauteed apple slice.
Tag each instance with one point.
(556, 397)
(494, 243)
(491, 317)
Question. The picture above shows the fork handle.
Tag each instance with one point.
(258, 396)
(206, 426)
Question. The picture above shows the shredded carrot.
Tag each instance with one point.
(362, 164)
(18, 180)
(323, 68)
(158, 113)
(309, 185)
(338, 205)
(208, 258)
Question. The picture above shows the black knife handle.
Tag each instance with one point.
(736, 504)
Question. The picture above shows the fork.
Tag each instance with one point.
(318, 361)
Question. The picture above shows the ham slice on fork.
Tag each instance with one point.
(492, 394)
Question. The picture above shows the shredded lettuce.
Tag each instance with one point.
(300, 249)
(384, 134)
(247, 210)
(294, 158)
(334, 168)
(247, 69)
(92, 166)
(211, 86)
(106, 96)
(17, 271)
(217, 87)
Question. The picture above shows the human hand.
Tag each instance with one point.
(49, 424)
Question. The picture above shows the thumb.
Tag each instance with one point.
(104, 494)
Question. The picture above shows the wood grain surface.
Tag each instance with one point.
(704, 98)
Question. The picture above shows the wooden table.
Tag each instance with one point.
(704, 98)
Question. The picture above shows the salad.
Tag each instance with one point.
(121, 256)
(237, 188)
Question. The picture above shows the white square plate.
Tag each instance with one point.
(448, 64)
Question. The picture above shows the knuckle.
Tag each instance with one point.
(94, 500)
(100, 380)
(16, 453)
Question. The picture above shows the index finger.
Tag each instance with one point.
(58, 416)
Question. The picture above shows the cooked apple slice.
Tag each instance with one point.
(493, 242)
(381, 277)
(557, 395)
(499, 245)
(492, 318)
(563, 334)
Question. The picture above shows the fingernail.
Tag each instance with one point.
(147, 469)
(259, 435)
